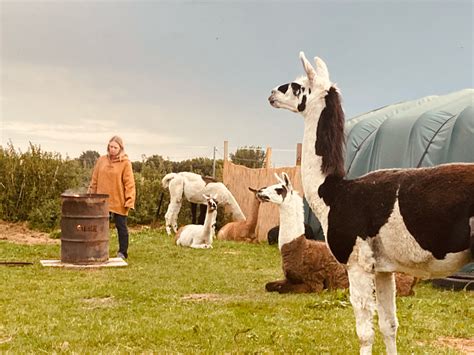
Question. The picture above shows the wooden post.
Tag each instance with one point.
(299, 149)
(226, 150)
(268, 158)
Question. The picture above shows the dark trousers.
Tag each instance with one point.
(122, 231)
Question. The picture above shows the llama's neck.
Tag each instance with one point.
(237, 213)
(311, 174)
(207, 231)
(252, 218)
(291, 219)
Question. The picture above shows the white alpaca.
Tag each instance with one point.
(409, 220)
(196, 235)
(194, 187)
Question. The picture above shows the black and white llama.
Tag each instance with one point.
(414, 221)
(200, 236)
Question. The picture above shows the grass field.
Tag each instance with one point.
(178, 300)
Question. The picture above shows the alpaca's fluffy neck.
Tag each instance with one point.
(311, 174)
(251, 220)
(291, 219)
(207, 232)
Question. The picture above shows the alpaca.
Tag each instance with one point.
(199, 236)
(272, 235)
(308, 265)
(194, 186)
(242, 230)
(414, 221)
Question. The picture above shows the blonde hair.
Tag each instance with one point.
(117, 140)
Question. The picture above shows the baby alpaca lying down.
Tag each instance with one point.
(199, 236)
(308, 265)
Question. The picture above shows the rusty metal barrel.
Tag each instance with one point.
(84, 228)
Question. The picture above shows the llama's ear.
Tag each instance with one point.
(280, 180)
(253, 190)
(321, 69)
(286, 178)
(207, 197)
(308, 68)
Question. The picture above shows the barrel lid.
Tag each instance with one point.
(71, 195)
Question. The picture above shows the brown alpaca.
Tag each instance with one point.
(308, 265)
(242, 231)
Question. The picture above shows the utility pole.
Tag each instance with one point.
(214, 164)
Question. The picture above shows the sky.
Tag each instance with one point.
(178, 78)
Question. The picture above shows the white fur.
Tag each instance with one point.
(199, 236)
(291, 210)
(193, 187)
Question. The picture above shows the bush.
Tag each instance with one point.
(46, 217)
(34, 180)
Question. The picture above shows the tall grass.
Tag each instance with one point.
(178, 300)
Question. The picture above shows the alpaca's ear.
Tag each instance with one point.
(207, 197)
(286, 178)
(321, 69)
(280, 180)
(308, 68)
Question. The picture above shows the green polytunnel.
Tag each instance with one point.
(429, 131)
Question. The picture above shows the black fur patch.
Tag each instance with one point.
(435, 203)
(330, 139)
(283, 191)
(283, 88)
(302, 105)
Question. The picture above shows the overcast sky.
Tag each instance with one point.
(177, 78)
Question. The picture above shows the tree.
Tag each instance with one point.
(88, 158)
(251, 157)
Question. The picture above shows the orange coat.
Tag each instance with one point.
(114, 178)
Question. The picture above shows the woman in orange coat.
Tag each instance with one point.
(113, 175)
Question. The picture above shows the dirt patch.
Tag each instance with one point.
(465, 346)
(104, 302)
(19, 233)
(202, 297)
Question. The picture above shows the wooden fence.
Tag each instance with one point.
(239, 178)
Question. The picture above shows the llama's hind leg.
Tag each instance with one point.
(171, 216)
(386, 307)
(361, 286)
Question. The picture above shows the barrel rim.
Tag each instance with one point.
(82, 196)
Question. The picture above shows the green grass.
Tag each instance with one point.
(146, 307)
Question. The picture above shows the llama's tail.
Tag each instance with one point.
(166, 180)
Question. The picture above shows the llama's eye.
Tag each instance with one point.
(283, 88)
(296, 88)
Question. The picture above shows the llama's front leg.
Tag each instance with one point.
(386, 307)
(361, 286)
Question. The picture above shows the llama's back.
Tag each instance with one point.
(319, 261)
(165, 182)
(193, 235)
(187, 234)
(237, 231)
